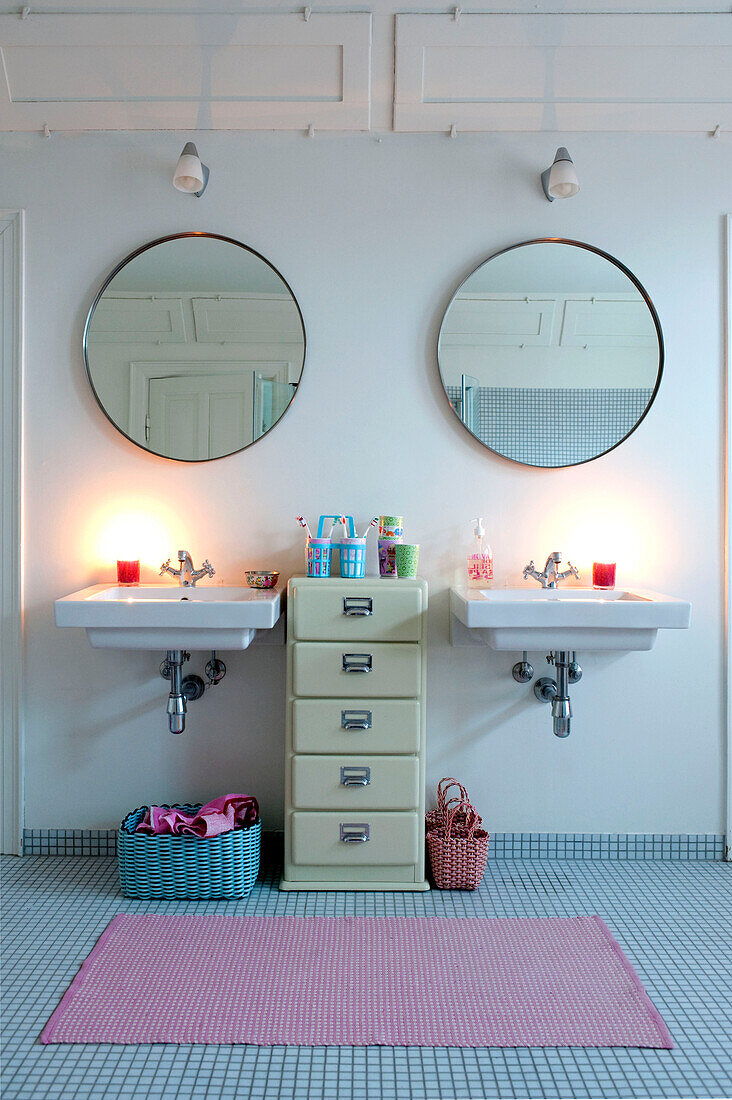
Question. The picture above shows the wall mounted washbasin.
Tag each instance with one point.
(564, 618)
(167, 617)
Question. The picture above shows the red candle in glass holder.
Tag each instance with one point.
(603, 574)
(128, 572)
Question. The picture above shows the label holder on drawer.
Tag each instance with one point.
(356, 719)
(357, 606)
(355, 832)
(357, 662)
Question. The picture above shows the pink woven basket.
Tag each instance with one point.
(434, 818)
(458, 850)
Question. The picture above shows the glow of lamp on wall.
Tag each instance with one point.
(129, 537)
(617, 525)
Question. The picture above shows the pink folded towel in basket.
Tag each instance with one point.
(216, 817)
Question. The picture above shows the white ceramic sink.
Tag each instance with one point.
(567, 618)
(152, 616)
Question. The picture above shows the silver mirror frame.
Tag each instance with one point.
(641, 290)
(115, 271)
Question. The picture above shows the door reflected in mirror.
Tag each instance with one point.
(194, 347)
(551, 353)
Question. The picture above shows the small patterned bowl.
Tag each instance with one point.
(262, 578)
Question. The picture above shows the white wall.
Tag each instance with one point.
(374, 238)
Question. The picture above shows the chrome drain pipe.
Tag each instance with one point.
(186, 689)
(176, 707)
(556, 691)
(561, 706)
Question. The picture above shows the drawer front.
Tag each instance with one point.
(355, 783)
(376, 612)
(389, 839)
(368, 670)
(355, 725)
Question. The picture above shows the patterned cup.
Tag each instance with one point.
(406, 557)
(318, 552)
(387, 558)
(391, 527)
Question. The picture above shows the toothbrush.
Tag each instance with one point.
(373, 523)
(342, 520)
(303, 523)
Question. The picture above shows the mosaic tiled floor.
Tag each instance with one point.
(672, 919)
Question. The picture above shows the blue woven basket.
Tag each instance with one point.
(151, 866)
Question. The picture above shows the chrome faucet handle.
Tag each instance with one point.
(571, 571)
(193, 575)
(528, 569)
(164, 568)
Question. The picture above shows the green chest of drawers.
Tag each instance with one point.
(354, 789)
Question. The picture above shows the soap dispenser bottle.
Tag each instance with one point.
(480, 559)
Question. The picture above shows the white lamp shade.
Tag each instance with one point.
(189, 170)
(563, 182)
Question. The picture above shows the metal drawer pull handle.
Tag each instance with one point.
(358, 606)
(355, 777)
(355, 832)
(357, 662)
(356, 719)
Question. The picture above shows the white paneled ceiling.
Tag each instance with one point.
(563, 72)
(213, 71)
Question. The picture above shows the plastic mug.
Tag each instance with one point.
(391, 527)
(406, 556)
(387, 558)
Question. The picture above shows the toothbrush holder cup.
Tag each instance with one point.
(353, 557)
(319, 552)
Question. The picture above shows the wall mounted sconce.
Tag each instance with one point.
(560, 180)
(190, 175)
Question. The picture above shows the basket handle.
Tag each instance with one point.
(444, 786)
(471, 816)
(321, 525)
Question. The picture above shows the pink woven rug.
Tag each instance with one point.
(357, 981)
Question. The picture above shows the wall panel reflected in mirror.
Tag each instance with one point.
(551, 353)
(194, 346)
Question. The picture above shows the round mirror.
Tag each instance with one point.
(194, 346)
(551, 353)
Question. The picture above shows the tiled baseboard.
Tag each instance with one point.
(69, 842)
(607, 846)
(103, 842)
